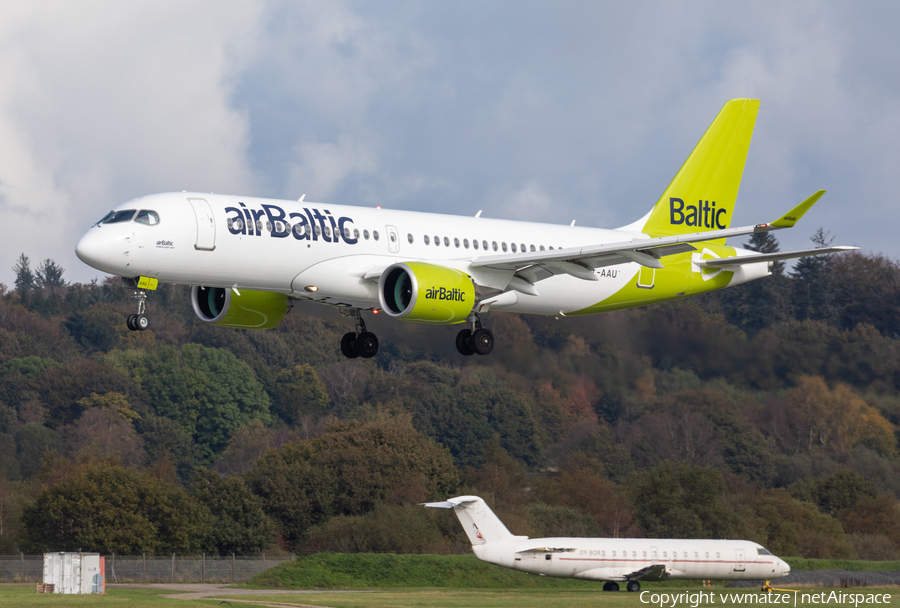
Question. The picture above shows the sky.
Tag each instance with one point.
(542, 111)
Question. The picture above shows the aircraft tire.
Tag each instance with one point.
(348, 345)
(633, 586)
(141, 322)
(367, 345)
(483, 341)
(130, 322)
(464, 343)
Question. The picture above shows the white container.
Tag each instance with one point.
(75, 572)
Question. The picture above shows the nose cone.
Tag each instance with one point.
(89, 248)
(785, 568)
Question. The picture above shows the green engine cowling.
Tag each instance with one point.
(426, 293)
(249, 310)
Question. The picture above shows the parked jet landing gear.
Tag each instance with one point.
(610, 586)
(478, 339)
(633, 586)
(139, 322)
(359, 343)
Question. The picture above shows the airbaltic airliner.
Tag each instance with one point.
(628, 560)
(249, 258)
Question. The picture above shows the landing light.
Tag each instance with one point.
(312, 288)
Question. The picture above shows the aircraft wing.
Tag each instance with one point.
(580, 262)
(656, 572)
(769, 257)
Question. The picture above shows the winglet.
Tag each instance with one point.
(791, 217)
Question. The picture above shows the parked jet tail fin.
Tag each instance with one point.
(480, 523)
(702, 194)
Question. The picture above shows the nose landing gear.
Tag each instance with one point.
(139, 322)
(359, 343)
(478, 339)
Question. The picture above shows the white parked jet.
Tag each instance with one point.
(249, 258)
(613, 560)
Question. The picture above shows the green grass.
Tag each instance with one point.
(389, 571)
(855, 565)
(24, 595)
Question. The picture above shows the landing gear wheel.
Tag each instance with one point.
(633, 586)
(367, 345)
(767, 588)
(483, 341)
(348, 345)
(130, 322)
(610, 586)
(141, 322)
(464, 343)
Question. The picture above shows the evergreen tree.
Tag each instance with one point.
(812, 296)
(25, 279)
(49, 274)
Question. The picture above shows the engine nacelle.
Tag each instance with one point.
(249, 310)
(427, 293)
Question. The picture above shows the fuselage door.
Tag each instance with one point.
(206, 225)
(739, 560)
(393, 239)
(654, 556)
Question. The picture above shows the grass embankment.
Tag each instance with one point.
(389, 571)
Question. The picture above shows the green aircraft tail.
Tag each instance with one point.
(702, 195)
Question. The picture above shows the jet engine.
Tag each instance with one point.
(247, 310)
(427, 293)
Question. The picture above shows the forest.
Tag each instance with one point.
(768, 412)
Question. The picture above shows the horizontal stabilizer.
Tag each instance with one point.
(769, 257)
(440, 505)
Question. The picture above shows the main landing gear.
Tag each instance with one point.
(139, 322)
(633, 586)
(359, 343)
(610, 586)
(476, 339)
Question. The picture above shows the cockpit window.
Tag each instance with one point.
(146, 216)
(762, 551)
(116, 217)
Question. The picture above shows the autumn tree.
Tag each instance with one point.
(238, 523)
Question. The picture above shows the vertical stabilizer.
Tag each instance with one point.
(477, 519)
(702, 195)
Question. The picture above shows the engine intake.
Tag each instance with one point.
(249, 310)
(426, 293)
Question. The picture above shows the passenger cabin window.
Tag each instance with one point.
(542, 247)
(696, 555)
(393, 237)
(475, 244)
(494, 245)
(356, 234)
(375, 235)
(513, 247)
(523, 248)
(664, 554)
(446, 241)
(269, 228)
(456, 243)
(347, 233)
(614, 553)
(484, 245)
(409, 238)
(503, 246)
(466, 243)
(365, 234)
(707, 555)
(717, 555)
(117, 217)
(427, 240)
(645, 554)
(145, 216)
(532, 248)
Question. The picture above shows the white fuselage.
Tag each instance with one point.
(272, 254)
(614, 559)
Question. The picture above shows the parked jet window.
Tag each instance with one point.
(146, 216)
(551, 247)
(513, 247)
(308, 230)
(446, 241)
(475, 243)
(116, 217)
(634, 554)
(365, 234)
(762, 551)
(346, 233)
(664, 553)
(696, 555)
(327, 232)
(356, 233)
(466, 243)
(259, 227)
(614, 554)
(542, 247)
(494, 244)
(427, 240)
(524, 249)
(532, 247)
(375, 235)
(707, 555)
(503, 246)
(437, 241)
(603, 554)
(409, 238)
(685, 555)
(717, 555)
(298, 229)
(456, 242)
(645, 555)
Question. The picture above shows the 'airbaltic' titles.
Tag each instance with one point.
(703, 214)
(309, 225)
(442, 293)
